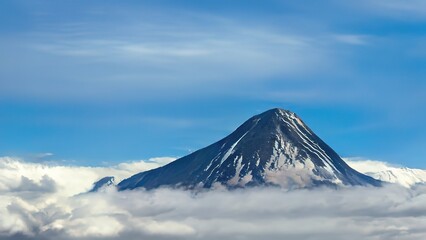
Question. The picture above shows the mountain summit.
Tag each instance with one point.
(272, 148)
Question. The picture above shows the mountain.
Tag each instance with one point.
(272, 148)
(103, 184)
(406, 177)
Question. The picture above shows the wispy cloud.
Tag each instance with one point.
(256, 51)
(352, 39)
(140, 59)
(181, 54)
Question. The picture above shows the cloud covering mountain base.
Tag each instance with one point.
(37, 208)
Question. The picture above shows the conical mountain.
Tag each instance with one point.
(272, 148)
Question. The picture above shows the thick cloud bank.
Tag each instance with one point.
(37, 207)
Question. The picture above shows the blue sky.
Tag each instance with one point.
(103, 82)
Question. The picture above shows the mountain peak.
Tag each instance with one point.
(271, 148)
(275, 112)
(277, 115)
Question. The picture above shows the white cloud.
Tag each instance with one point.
(391, 212)
(250, 214)
(23, 177)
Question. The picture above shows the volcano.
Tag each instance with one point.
(274, 148)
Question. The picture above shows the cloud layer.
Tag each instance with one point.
(20, 177)
(39, 202)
